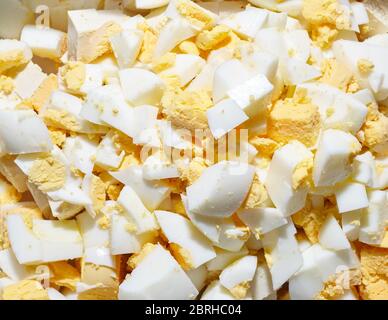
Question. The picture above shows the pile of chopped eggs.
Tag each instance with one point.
(177, 149)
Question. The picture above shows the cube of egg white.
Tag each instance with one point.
(158, 276)
(298, 43)
(122, 240)
(259, 62)
(60, 240)
(272, 41)
(81, 152)
(215, 228)
(279, 181)
(144, 125)
(239, 272)
(282, 254)
(252, 95)
(126, 46)
(227, 76)
(350, 222)
(216, 291)
(182, 232)
(374, 218)
(295, 71)
(262, 220)
(186, 68)
(150, 4)
(198, 277)
(156, 168)
(28, 80)
(45, 42)
(22, 131)
(246, 23)
(14, 53)
(25, 245)
(11, 267)
(307, 282)
(351, 52)
(221, 189)
(13, 174)
(100, 256)
(55, 294)
(89, 31)
(331, 236)
(172, 33)
(92, 234)
(108, 156)
(370, 171)
(14, 15)
(331, 163)
(359, 13)
(262, 283)
(141, 86)
(137, 213)
(225, 258)
(351, 196)
(151, 193)
(224, 117)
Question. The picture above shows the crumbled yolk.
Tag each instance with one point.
(365, 66)
(374, 269)
(136, 258)
(48, 174)
(6, 84)
(73, 74)
(104, 222)
(240, 291)
(97, 193)
(336, 74)
(265, 146)
(302, 173)
(294, 119)
(164, 62)
(57, 136)
(193, 171)
(61, 119)
(182, 256)
(25, 290)
(189, 47)
(210, 39)
(186, 109)
(148, 46)
(64, 274)
(194, 14)
(257, 194)
(11, 59)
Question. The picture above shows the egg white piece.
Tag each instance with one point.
(240, 271)
(262, 283)
(28, 80)
(351, 196)
(279, 178)
(108, 156)
(224, 117)
(221, 189)
(143, 219)
(374, 218)
(151, 193)
(22, 131)
(331, 236)
(141, 86)
(216, 291)
(225, 258)
(198, 277)
(11, 267)
(158, 276)
(262, 220)
(126, 46)
(351, 222)
(181, 231)
(331, 163)
(282, 254)
(44, 42)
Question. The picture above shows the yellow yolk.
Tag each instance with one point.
(374, 269)
(193, 171)
(6, 84)
(25, 290)
(240, 291)
(365, 66)
(336, 74)
(97, 193)
(210, 39)
(294, 119)
(47, 174)
(302, 173)
(73, 74)
(182, 256)
(64, 274)
(256, 195)
(265, 146)
(164, 62)
(188, 47)
(136, 258)
(194, 14)
(11, 59)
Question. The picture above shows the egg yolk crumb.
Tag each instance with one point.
(6, 84)
(25, 290)
(73, 74)
(48, 174)
(210, 39)
(182, 256)
(64, 274)
(257, 194)
(365, 66)
(136, 258)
